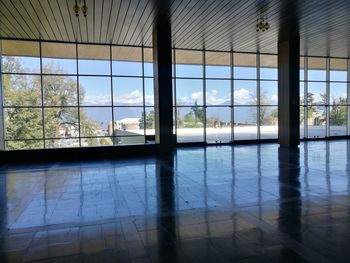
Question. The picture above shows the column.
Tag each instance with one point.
(163, 93)
(288, 79)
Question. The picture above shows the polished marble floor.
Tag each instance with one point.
(251, 203)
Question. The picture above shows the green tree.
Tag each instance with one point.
(148, 120)
(26, 124)
(198, 111)
(190, 120)
(21, 90)
(193, 119)
(267, 116)
(312, 108)
(338, 114)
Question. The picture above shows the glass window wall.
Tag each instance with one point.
(73, 95)
(235, 92)
(324, 97)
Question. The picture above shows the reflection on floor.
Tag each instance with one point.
(254, 203)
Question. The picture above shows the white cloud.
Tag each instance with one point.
(242, 96)
(183, 100)
(197, 95)
(212, 98)
(97, 100)
(149, 100)
(134, 97)
(214, 92)
(274, 98)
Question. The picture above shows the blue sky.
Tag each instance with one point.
(129, 91)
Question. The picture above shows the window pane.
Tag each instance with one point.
(129, 140)
(21, 90)
(16, 64)
(128, 121)
(268, 93)
(95, 91)
(245, 123)
(316, 120)
(245, 92)
(59, 58)
(218, 65)
(268, 67)
(189, 64)
(150, 121)
(58, 50)
(302, 69)
(190, 124)
(244, 66)
(23, 145)
(94, 60)
(302, 93)
(127, 61)
(338, 69)
(20, 48)
(149, 91)
(20, 56)
(189, 92)
(218, 92)
(61, 122)
(218, 124)
(317, 69)
(316, 93)
(148, 62)
(60, 91)
(59, 66)
(338, 93)
(302, 122)
(99, 141)
(338, 120)
(268, 122)
(95, 121)
(64, 143)
(93, 67)
(23, 123)
(127, 91)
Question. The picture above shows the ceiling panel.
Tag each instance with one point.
(196, 24)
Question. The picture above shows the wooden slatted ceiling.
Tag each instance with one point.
(196, 24)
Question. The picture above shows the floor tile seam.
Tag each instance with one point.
(131, 218)
(282, 184)
(36, 189)
(242, 206)
(303, 251)
(287, 240)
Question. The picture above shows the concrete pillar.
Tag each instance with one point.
(163, 94)
(288, 78)
(288, 92)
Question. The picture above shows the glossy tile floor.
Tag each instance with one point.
(253, 203)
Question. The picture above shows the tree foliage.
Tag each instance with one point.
(25, 118)
(338, 112)
(148, 120)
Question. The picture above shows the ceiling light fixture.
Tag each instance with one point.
(77, 8)
(261, 22)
